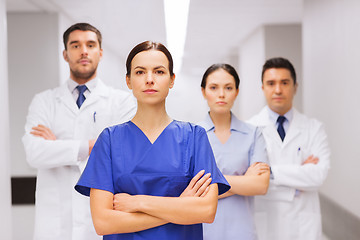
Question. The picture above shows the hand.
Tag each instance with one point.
(91, 145)
(44, 132)
(311, 159)
(196, 187)
(257, 168)
(124, 202)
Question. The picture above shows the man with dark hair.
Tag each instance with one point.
(60, 131)
(81, 27)
(299, 156)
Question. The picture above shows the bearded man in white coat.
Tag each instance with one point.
(60, 131)
(299, 156)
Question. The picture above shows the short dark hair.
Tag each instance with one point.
(81, 27)
(146, 46)
(279, 62)
(227, 67)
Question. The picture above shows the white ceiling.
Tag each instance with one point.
(215, 27)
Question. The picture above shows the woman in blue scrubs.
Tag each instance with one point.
(240, 154)
(137, 171)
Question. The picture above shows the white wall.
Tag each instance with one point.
(33, 67)
(63, 23)
(112, 69)
(185, 101)
(252, 57)
(331, 55)
(5, 197)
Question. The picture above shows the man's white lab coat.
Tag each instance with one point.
(291, 209)
(61, 212)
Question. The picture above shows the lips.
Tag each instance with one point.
(150, 91)
(221, 103)
(84, 61)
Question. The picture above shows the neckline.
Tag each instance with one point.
(152, 143)
(227, 140)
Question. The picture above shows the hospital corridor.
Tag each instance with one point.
(320, 38)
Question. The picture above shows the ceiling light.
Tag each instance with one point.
(176, 17)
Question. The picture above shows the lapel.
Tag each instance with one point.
(63, 95)
(294, 128)
(270, 131)
(100, 91)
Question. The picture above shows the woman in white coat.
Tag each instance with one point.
(299, 162)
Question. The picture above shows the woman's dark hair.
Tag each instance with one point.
(146, 46)
(81, 27)
(227, 67)
(279, 62)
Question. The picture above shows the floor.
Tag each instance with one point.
(325, 238)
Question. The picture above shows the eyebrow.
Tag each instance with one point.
(161, 66)
(139, 67)
(145, 68)
(76, 41)
(273, 80)
(72, 42)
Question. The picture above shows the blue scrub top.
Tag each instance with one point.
(123, 160)
(235, 214)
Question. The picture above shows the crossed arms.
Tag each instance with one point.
(124, 213)
(254, 182)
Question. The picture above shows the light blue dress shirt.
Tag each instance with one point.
(246, 145)
(84, 145)
(74, 92)
(274, 116)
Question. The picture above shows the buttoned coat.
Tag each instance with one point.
(291, 209)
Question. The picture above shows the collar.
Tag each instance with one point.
(235, 125)
(273, 116)
(90, 84)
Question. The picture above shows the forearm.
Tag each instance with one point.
(108, 221)
(306, 177)
(249, 185)
(225, 195)
(41, 153)
(185, 210)
(302, 177)
(113, 222)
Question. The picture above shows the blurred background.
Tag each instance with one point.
(320, 37)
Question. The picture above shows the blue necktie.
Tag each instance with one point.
(280, 129)
(81, 98)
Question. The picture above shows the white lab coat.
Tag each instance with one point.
(62, 213)
(291, 209)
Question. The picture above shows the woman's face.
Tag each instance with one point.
(150, 78)
(220, 91)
